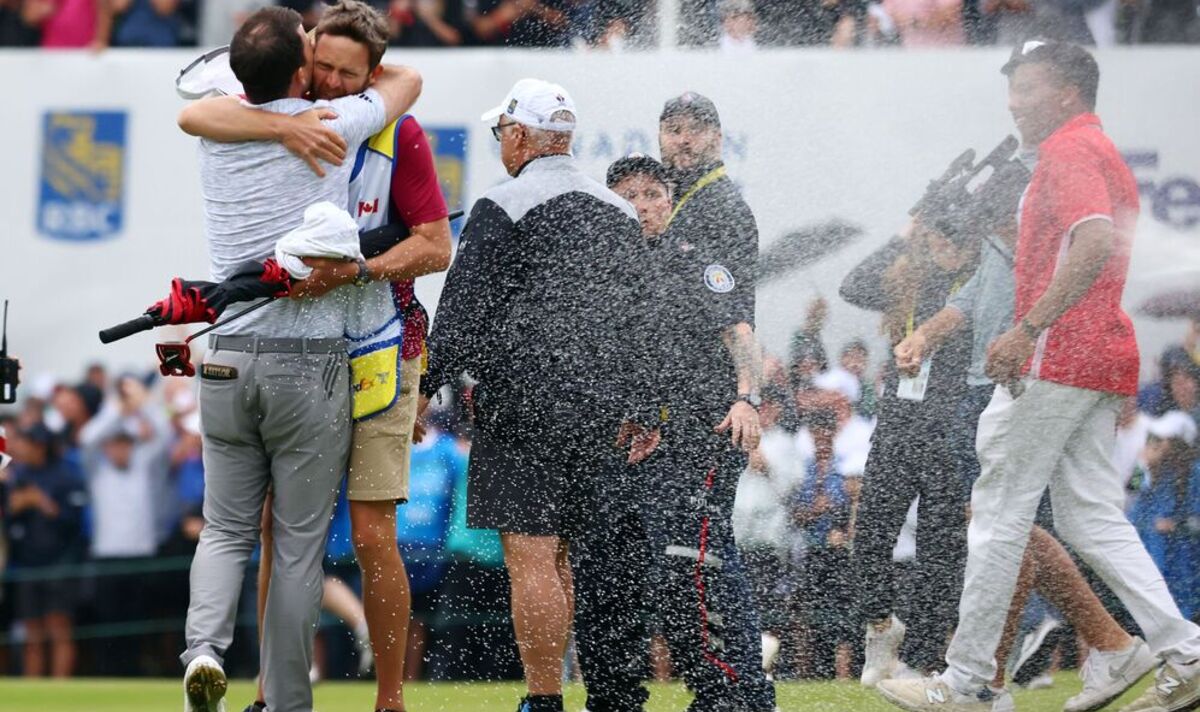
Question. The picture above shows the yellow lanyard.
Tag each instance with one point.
(911, 326)
(710, 177)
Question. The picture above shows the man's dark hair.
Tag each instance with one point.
(266, 52)
(359, 22)
(637, 164)
(1072, 63)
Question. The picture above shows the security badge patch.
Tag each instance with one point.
(718, 279)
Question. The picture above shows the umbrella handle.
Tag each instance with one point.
(145, 322)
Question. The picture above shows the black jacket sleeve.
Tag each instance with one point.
(478, 287)
(863, 287)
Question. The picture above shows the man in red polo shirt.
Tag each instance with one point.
(1064, 369)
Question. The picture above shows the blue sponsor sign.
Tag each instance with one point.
(449, 145)
(82, 191)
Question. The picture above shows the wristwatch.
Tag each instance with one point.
(363, 278)
(754, 399)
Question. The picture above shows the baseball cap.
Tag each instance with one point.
(691, 104)
(635, 164)
(1174, 425)
(533, 102)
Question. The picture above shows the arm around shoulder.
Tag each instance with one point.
(400, 86)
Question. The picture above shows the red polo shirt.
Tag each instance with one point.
(1080, 176)
(417, 199)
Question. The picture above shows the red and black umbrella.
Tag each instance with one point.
(194, 301)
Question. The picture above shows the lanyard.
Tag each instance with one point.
(710, 177)
(911, 326)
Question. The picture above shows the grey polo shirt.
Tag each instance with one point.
(255, 192)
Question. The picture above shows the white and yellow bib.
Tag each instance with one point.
(375, 326)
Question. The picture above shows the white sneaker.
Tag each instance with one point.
(366, 654)
(1032, 643)
(770, 653)
(932, 694)
(904, 672)
(204, 686)
(883, 652)
(1106, 676)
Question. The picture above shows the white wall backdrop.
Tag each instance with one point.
(809, 135)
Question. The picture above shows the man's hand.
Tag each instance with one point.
(419, 426)
(327, 274)
(312, 141)
(910, 353)
(742, 422)
(642, 442)
(1007, 355)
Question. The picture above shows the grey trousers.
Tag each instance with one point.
(280, 420)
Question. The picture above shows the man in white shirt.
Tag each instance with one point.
(275, 387)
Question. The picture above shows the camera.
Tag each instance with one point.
(964, 204)
(10, 368)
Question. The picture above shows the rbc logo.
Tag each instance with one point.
(449, 145)
(83, 174)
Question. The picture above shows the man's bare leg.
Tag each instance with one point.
(266, 551)
(1059, 580)
(1048, 568)
(541, 604)
(1025, 582)
(341, 600)
(387, 599)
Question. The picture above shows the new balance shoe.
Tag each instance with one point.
(204, 686)
(932, 694)
(1176, 688)
(883, 652)
(1106, 676)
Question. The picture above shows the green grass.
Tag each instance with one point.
(166, 696)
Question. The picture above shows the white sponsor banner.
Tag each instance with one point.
(809, 135)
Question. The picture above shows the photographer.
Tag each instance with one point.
(911, 453)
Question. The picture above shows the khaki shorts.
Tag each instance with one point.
(379, 455)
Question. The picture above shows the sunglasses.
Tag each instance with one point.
(498, 130)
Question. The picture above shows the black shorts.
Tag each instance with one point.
(40, 597)
(535, 476)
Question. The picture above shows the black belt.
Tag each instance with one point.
(259, 345)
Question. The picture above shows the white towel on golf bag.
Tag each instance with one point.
(328, 231)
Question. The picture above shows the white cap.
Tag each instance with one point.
(1174, 425)
(534, 102)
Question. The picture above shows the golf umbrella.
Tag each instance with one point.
(1175, 304)
(193, 301)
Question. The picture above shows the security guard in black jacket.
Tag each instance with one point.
(532, 309)
(705, 373)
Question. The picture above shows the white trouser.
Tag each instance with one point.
(1061, 437)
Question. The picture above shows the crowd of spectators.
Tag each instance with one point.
(615, 25)
(101, 511)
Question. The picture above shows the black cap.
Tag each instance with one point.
(691, 104)
(1073, 62)
(636, 164)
